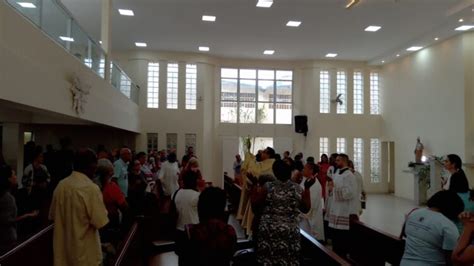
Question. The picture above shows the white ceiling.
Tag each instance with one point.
(244, 31)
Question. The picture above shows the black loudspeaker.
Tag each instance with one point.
(301, 124)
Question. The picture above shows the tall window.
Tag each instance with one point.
(172, 88)
(190, 141)
(358, 93)
(375, 160)
(374, 94)
(324, 92)
(191, 94)
(171, 141)
(125, 85)
(102, 68)
(341, 145)
(342, 90)
(153, 85)
(359, 155)
(323, 146)
(256, 96)
(152, 142)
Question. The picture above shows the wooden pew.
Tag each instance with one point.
(233, 192)
(39, 248)
(370, 246)
(315, 253)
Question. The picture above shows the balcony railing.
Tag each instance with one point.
(55, 21)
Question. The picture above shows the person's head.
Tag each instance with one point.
(190, 179)
(190, 150)
(448, 203)
(298, 157)
(268, 153)
(211, 204)
(350, 164)
(258, 157)
(277, 156)
(134, 167)
(193, 164)
(324, 158)
(8, 178)
(105, 170)
(453, 162)
(281, 170)
(126, 154)
(238, 158)
(342, 160)
(332, 159)
(310, 159)
(172, 157)
(38, 156)
(297, 176)
(141, 157)
(459, 184)
(85, 161)
(310, 169)
(286, 154)
(185, 160)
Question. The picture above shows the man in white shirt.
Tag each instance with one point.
(121, 169)
(169, 174)
(342, 206)
(313, 220)
(360, 193)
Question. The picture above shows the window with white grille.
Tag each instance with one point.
(191, 93)
(102, 68)
(125, 85)
(358, 93)
(358, 158)
(342, 90)
(324, 92)
(153, 88)
(88, 62)
(375, 160)
(171, 141)
(152, 142)
(341, 145)
(172, 87)
(323, 146)
(374, 94)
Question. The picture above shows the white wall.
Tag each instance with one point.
(35, 71)
(424, 95)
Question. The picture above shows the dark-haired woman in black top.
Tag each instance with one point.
(453, 164)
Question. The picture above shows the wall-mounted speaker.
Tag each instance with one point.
(301, 124)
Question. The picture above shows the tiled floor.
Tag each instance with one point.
(386, 212)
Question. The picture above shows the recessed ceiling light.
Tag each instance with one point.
(100, 42)
(208, 18)
(203, 48)
(264, 3)
(66, 39)
(383, 61)
(293, 23)
(27, 4)
(461, 20)
(331, 55)
(269, 52)
(140, 44)
(464, 27)
(436, 39)
(398, 55)
(126, 12)
(373, 28)
(414, 48)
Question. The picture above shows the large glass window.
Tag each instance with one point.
(341, 145)
(359, 155)
(153, 85)
(256, 96)
(191, 91)
(342, 90)
(152, 142)
(172, 88)
(323, 146)
(358, 93)
(324, 92)
(374, 94)
(375, 160)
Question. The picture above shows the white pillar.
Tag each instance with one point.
(12, 143)
(106, 35)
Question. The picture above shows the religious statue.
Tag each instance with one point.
(418, 150)
(79, 92)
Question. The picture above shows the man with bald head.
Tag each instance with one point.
(121, 169)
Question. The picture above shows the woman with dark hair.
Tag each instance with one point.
(431, 235)
(278, 238)
(212, 241)
(453, 164)
(461, 187)
(323, 173)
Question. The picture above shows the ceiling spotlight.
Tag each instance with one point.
(126, 12)
(373, 28)
(436, 39)
(331, 55)
(464, 27)
(264, 3)
(140, 44)
(269, 52)
(352, 3)
(203, 48)
(383, 61)
(27, 5)
(208, 18)
(293, 23)
(414, 48)
(66, 39)
(398, 55)
(461, 20)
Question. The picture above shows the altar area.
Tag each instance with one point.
(427, 178)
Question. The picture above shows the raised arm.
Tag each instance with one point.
(463, 253)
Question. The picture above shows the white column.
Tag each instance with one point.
(106, 35)
(12, 143)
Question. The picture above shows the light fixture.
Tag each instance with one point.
(27, 5)
(461, 20)
(208, 18)
(398, 55)
(66, 39)
(331, 55)
(140, 44)
(373, 28)
(264, 3)
(269, 52)
(126, 12)
(464, 27)
(414, 48)
(424, 158)
(352, 3)
(383, 61)
(293, 23)
(203, 48)
(436, 39)
(100, 42)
